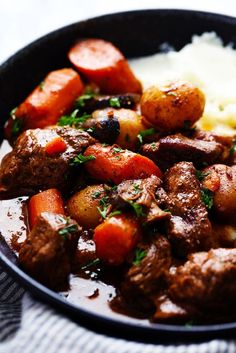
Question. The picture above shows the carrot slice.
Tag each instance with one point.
(55, 146)
(46, 201)
(111, 163)
(52, 98)
(116, 237)
(102, 63)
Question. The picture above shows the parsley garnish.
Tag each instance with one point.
(136, 189)
(80, 102)
(17, 124)
(201, 175)
(207, 198)
(91, 264)
(114, 102)
(145, 133)
(70, 229)
(104, 203)
(80, 159)
(115, 213)
(73, 119)
(96, 194)
(233, 148)
(12, 112)
(117, 150)
(153, 145)
(140, 254)
(138, 209)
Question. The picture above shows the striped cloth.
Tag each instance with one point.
(28, 326)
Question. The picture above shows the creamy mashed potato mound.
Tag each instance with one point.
(210, 66)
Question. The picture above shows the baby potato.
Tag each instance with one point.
(170, 107)
(225, 195)
(130, 126)
(82, 206)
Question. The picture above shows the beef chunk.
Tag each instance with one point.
(29, 168)
(189, 228)
(146, 278)
(169, 311)
(143, 192)
(175, 148)
(47, 251)
(85, 252)
(206, 280)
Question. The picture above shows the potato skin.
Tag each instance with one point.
(82, 206)
(225, 195)
(169, 107)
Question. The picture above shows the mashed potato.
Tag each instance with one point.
(209, 65)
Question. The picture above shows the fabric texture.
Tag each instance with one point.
(28, 326)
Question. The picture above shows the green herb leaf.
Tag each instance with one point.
(80, 159)
(138, 209)
(115, 213)
(96, 194)
(207, 198)
(136, 189)
(104, 203)
(17, 125)
(153, 146)
(201, 175)
(70, 229)
(140, 254)
(12, 112)
(80, 102)
(114, 102)
(145, 133)
(91, 264)
(117, 150)
(73, 119)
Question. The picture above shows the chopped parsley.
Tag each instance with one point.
(140, 254)
(233, 148)
(117, 150)
(96, 194)
(207, 198)
(80, 159)
(166, 210)
(114, 102)
(136, 189)
(153, 146)
(17, 125)
(138, 209)
(201, 175)
(104, 203)
(115, 213)
(91, 264)
(12, 112)
(80, 102)
(73, 119)
(69, 229)
(145, 133)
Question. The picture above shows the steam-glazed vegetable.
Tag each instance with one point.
(173, 106)
(84, 206)
(116, 237)
(112, 163)
(101, 62)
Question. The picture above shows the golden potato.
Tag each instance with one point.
(225, 195)
(170, 107)
(82, 206)
(130, 126)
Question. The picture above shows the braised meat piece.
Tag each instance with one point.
(176, 148)
(30, 168)
(206, 280)
(47, 251)
(189, 228)
(143, 192)
(146, 277)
